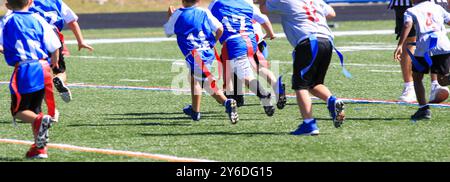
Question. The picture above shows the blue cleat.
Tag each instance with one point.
(307, 129)
(336, 108)
(231, 109)
(281, 94)
(190, 112)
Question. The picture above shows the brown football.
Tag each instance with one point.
(441, 95)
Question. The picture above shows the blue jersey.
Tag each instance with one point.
(236, 17)
(27, 38)
(55, 12)
(194, 28)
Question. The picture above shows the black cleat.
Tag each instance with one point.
(423, 113)
(282, 100)
(269, 110)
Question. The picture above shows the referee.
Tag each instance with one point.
(400, 6)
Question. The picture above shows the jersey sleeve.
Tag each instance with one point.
(258, 16)
(274, 6)
(327, 9)
(408, 17)
(51, 41)
(446, 15)
(214, 23)
(67, 14)
(169, 27)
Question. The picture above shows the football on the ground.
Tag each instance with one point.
(441, 95)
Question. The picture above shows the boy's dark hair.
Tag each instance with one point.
(17, 4)
(190, 1)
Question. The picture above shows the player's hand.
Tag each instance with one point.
(398, 53)
(270, 37)
(85, 46)
(54, 64)
(170, 11)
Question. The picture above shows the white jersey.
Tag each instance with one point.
(429, 17)
(302, 18)
(257, 28)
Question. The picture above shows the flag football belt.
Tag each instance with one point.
(315, 49)
(48, 84)
(205, 71)
(250, 55)
(433, 44)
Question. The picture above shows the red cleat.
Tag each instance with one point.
(37, 153)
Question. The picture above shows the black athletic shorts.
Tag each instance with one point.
(261, 48)
(441, 64)
(62, 63)
(399, 14)
(317, 72)
(31, 101)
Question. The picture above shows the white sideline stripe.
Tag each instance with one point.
(165, 39)
(126, 40)
(181, 62)
(385, 71)
(108, 151)
(131, 80)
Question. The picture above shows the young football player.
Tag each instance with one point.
(261, 67)
(305, 25)
(28, 40)
(58, 14)
(432, 52)
(195, 28)
(239, 45)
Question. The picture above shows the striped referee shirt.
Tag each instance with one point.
(409, 3)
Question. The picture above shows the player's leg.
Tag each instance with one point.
(243, 70)
(408, 94)
(424, 109)
(439, 68)
(60, 79)
(277, 85)
(278, 88)
(196, 90)
(30, 112)
(229, 104)
(301, 85)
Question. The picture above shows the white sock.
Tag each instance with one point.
(409, 84)
(435, 82)
(307, 121)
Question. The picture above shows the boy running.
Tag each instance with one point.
(27, 40)
(305, 25)
(194, 28)
(239, 44)
(58, 14)
(432, 48)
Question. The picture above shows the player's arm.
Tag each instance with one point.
(263, 7)
(329, 12)
(265, 23)
(72, 19)
(75, 27)
(404, 35)
(55, 59)
(170, 11)
(219, 33)
(1, 49)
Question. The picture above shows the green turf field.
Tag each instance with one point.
(152, 121)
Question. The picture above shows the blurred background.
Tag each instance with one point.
(111, 6)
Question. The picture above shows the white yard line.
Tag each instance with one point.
(385, 71)
(182, 62)
(108, 151)
(165, 39)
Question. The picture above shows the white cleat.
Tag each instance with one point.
(408, 95)
(63, 90)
